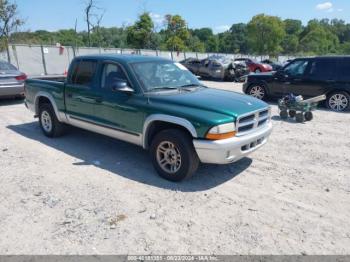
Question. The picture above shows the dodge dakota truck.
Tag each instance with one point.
(156, 104)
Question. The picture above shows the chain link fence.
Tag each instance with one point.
(39, 60)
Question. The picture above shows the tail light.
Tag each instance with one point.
(21, 77)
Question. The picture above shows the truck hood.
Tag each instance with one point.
(211, 102)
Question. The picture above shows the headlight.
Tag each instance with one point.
(222, 132)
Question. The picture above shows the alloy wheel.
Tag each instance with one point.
(46, 121)
(169, 157)
(257, 92)
(338, 102)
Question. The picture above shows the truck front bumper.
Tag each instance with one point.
(232, 149)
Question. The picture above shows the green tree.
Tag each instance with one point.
(225, 42)
(318, 37)
(239, 38)
(139, 35)
(212, 44)
(345, 48)
(176, 33)
(293, 27)
(9, 22)
(195, 44)
(207, 37)
(290, 43)
(265, 34)
(319, 40)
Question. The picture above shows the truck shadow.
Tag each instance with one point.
(129, 161)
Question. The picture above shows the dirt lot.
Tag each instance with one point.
(89, 194)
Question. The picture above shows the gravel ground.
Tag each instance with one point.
(89, 194)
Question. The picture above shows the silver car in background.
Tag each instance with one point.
(11, 81)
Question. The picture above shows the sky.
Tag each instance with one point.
(217, 14)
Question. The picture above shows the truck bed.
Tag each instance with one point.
(54, 89)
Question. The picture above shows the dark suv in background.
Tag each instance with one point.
(308, 77)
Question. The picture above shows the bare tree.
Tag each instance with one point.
(96, 27)
(92, 19)
(9, 21)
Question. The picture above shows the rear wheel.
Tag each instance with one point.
(48, 121)
(338, 101)
(258, 91)
(308, 116)
(257, 70)
(173, 155)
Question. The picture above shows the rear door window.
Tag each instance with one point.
(323, 69)
(344, 69)
(83, 72)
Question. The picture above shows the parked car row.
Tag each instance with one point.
(217, 67)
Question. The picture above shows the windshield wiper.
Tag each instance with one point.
(192, 85)
(162, 88)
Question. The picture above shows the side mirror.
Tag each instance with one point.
(122, 86)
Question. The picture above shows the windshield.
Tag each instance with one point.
(158, 75)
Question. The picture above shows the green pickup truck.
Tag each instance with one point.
(156, 104)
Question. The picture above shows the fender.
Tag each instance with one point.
(169, 119)
(60, 116)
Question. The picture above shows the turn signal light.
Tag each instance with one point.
(220, 136)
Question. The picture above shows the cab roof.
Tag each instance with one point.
(124, 58)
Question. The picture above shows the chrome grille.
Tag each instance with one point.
(249, 122)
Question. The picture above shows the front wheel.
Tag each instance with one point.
(173, 155)
(338, 101)
(257, 71)
(257, 91)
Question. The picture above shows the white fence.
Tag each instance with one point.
(52, 60)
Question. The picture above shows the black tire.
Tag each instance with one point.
(258, 91)
(57, 128)
(284, 114)
(292, 113)
(308, 116)
(299, 117)
(258, 70)
(184, 146)
(345, 97)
